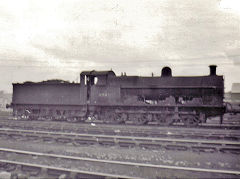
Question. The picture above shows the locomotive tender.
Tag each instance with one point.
(105, 97)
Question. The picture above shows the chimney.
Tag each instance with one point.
(212, 70)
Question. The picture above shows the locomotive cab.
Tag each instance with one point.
(95, 77)
(97, 87)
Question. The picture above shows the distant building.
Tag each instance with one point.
(235, 93)
(235, 88)
(5, 98)
(227, 97)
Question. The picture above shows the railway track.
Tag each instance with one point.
(76, 139)
(92, 128)
(213, 124)
(35, 163)
(152, 127)
(45, 171)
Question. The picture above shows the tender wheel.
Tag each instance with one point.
(120, 118)
(140, 119)
(72, 119)
(107, 117)
(164, 119)
(48, 118)
(161, 119)
(190, 120)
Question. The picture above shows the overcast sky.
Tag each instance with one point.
(49, 39)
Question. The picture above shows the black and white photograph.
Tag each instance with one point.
(130, 89)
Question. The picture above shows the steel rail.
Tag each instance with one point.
(99, 174)
(133, 138)
(123, 163)
(147, 127)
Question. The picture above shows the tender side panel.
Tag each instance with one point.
(59, 94)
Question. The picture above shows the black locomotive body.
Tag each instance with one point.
(103, 96)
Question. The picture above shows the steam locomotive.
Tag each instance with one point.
(102, 96)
